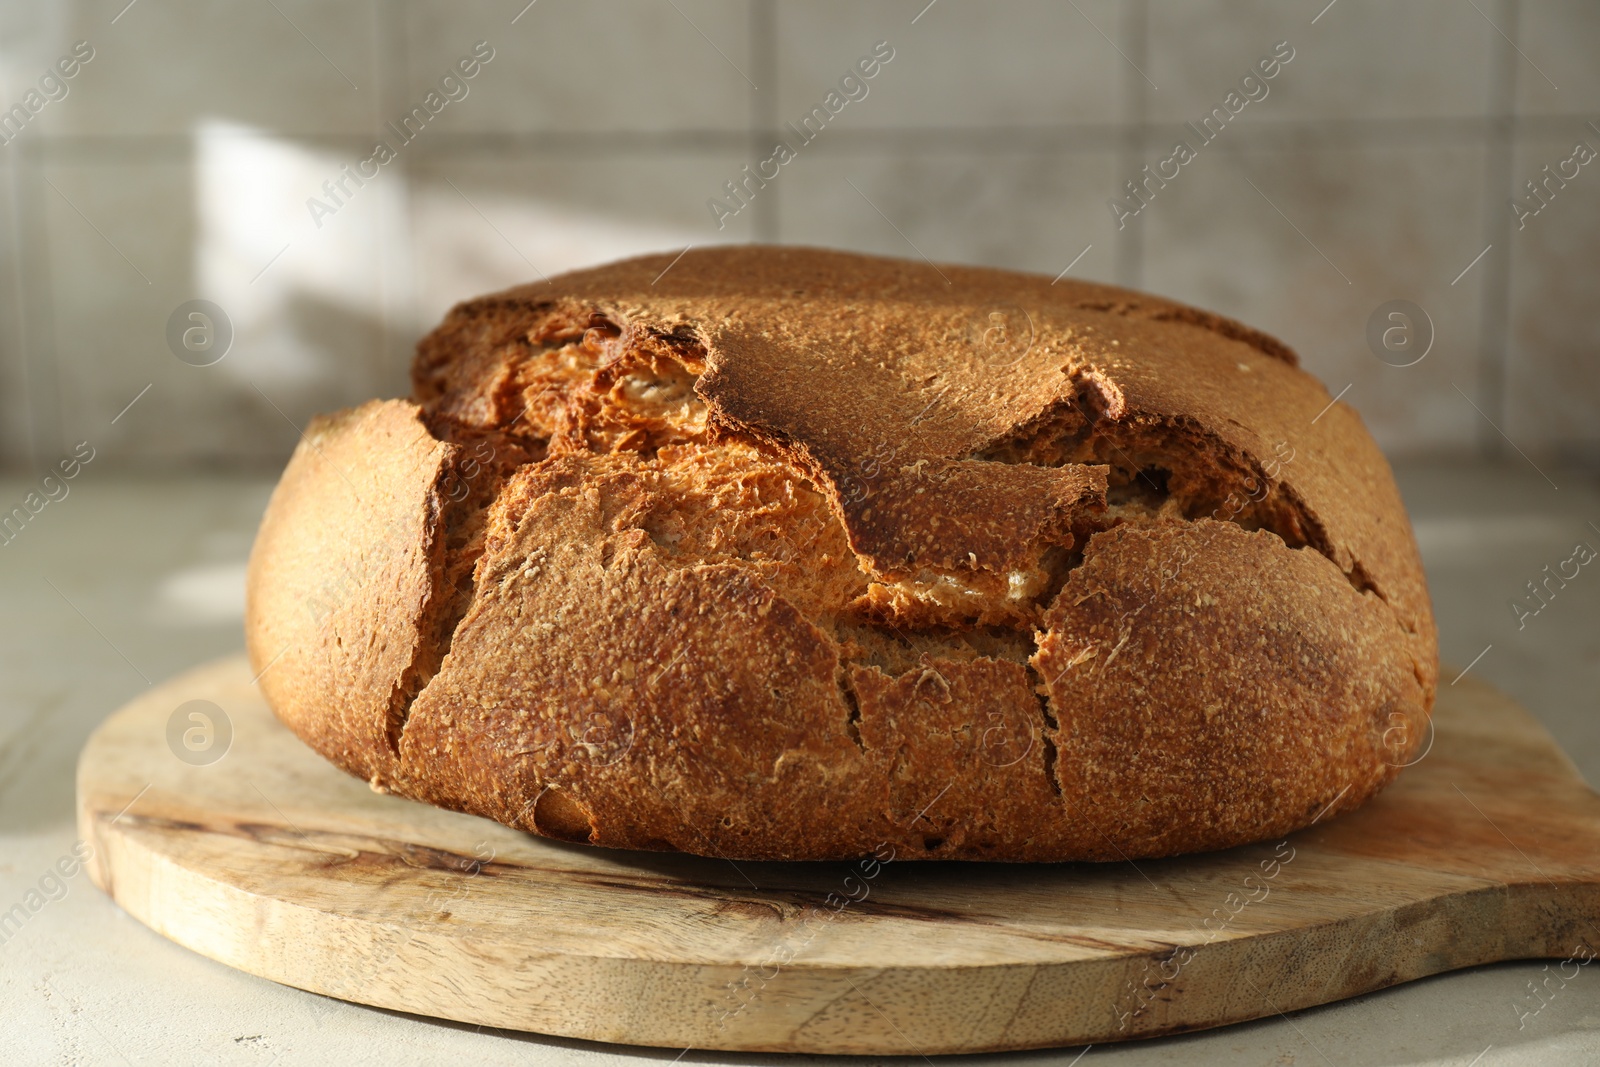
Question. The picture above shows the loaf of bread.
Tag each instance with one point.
(780, 553)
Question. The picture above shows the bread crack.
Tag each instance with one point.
(1050, 726)
(594, 382)
(1205, 320)
(478, 465)
(852, 703)
(1171, 470)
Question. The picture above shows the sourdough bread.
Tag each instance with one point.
(782, 553)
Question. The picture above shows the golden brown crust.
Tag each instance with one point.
(1212, 684)
(786, 554)
(352, 536)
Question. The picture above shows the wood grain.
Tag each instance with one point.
(272, 861)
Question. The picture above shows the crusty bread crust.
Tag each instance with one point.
(788, 554)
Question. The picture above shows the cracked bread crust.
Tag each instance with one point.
(788, 554)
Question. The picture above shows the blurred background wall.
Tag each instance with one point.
(177, 163)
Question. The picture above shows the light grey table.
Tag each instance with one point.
(125, 582)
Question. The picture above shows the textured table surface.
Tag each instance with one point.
(126, 581)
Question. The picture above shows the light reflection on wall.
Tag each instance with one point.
(329, 301)
(308, 302)
(517, 236)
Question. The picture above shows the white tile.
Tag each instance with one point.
(619, 65)
(307, 275)
(32, 38)
(1553, 379)
(1556, 72)
(138, 239)
(601, 130)
(488, 223)
(1012, 63)
(293, 66)
(118, 261)
(15, 396)
(1032, 211)
(1362, 59)
(1350, 231)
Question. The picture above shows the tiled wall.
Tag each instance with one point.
(1378, 166)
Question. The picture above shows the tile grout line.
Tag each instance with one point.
(1141, 116)
(40, 357)
(398, 274)
(1499, 150)
(11, 261)
(1287, 136)
(763, 34)
(11, 264)
(378, 41)
(18, 340)
(1133, 29)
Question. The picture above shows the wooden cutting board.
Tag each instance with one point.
(270, 860)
